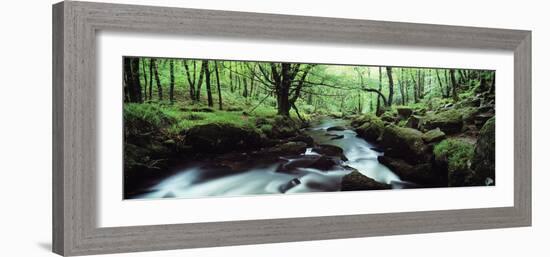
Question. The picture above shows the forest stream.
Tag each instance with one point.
(189, 182)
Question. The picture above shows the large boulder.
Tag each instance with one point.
(284, 127)
(434, 135)
(221, 138)
(336, 128)
(331, 151)
(405, 143)
(421, 173)
(288, 148)
(483, 162)
(319, 162)
(449, 121)
(355, 181)
(370, 128)
(404, 112)
(454, 156)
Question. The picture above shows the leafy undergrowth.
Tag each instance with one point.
(458, 153)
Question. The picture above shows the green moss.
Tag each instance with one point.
(369, 126)
(449, 121)
(144, 118)
(402, 123)
(457, 153)
(266, 128)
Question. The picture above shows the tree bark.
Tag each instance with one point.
(207, 80)
(157, 79)
(199, 84)
(390, 80)
(150, 79)
(283, 105)
(454, 85)
(440, 84)
(144, 77)
(219, 86)
(379, 90)
(415, 89)
(401, 89)
(131, 78)
(190, 80)
(172, 81)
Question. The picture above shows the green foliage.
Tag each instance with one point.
(457, 153)
(140, 118)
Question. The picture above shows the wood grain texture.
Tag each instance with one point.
(74, 120)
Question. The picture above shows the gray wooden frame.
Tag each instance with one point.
(74, 129)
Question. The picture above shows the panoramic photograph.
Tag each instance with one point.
(198, 128)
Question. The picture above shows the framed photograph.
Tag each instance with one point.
(183, 128)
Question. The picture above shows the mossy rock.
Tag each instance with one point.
(404, 111)
(389, 116)
(434, 135)
(355, 181)
(420, 173)
(330, 150)
(469, 114)
(140, 119)
(371, 128)
(288, 148)
(449, 121)
(405, 143)
(284, 127)
(455, 155)
(483, 162)
(221, 138)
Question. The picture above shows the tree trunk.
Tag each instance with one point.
(199, 84)
(144, 78)
(454, 85)
(150, 79)
(283, 105)
(401, 89)
(440, 84)
(390, 80)
(172, 81)
(415, 89)
(157, 79)
(190, 80)
(245, 88)
(219, 87)
(131, 78)
(379, 90)
(207, 80)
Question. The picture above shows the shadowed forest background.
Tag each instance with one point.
(291, 127)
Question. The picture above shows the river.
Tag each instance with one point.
(188, 183)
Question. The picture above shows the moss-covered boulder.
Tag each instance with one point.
(420, 173)
(389, 116)
(455, 156)
(483, 162)
(434, 135)
(404, 111)
(405, 143)
(284, 127)
(370, 128)
(355, 181)
(449, 121)
(221, 138)
(288, 148)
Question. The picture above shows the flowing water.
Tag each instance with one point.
(190, 182)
